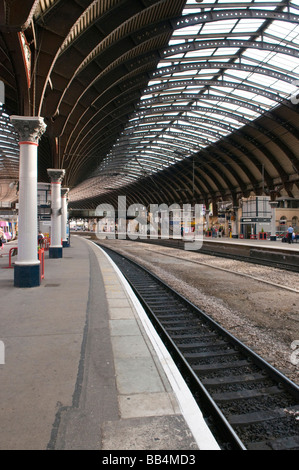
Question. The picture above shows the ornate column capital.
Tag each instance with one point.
(273, 204)
(30, 128)
(56, 175)
(64, 192)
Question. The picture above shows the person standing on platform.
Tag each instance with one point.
(290, 234)
(40, 238)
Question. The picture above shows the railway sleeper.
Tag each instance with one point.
(219, 366)
(210, 354)
(285, 443)
(180, 323)
(186, 337)
(163, 303)
(170, 311)
(183, 328)
(170, 316)
(233, 379)
(244, 394)
(150, 292)
(203, 344)
(260, 416)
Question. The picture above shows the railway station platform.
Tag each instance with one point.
(276, 244)
(83, 368)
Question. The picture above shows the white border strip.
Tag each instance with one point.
(189, 408)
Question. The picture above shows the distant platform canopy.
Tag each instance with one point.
(159, 100)
(9, 159)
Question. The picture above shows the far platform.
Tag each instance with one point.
(263, 251)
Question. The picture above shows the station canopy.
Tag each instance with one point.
(171, 101)
(9, 159)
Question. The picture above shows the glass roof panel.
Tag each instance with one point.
(239, 66)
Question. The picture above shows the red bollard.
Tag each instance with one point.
(9, 258)
(41, 257)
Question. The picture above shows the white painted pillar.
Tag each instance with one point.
(56, 176)
(273, 205)
(27, 266)
(235, 223)
(64, 203)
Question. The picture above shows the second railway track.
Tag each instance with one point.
(249, 404)
(255, 255)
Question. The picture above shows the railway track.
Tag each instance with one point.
(281, 263)
(248, 404)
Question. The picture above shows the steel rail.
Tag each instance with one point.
(179, 245)
(158, 299)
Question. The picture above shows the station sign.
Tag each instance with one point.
(247, 220)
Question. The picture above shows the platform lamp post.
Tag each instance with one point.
(27, 266)
(64, 208)
(273, 205)
(56, 176)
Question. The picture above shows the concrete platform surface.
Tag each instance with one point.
(83, 367)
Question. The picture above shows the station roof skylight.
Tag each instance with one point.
(227, 64)
(9, 148)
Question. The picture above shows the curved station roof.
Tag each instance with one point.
(156, 100)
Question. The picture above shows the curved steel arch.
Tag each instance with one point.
(203, 179)
(223, 125)
(178, 109)
(245, 102)
(266, 153)
(194, 97)
(182, 136)
(280, 144)
(171, 69)
(195, 109)
(210, 83)
(133, 24)
(226, 162)
(115, 85)
(206, 17)
(233, 43)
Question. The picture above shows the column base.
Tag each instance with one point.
(273, 238)
(235, 236)
(65, 243)
(55, 252)
(27, 276)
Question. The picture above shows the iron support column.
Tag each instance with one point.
(27, 266)
(273, 205)
(56, 176)
(64, 217)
